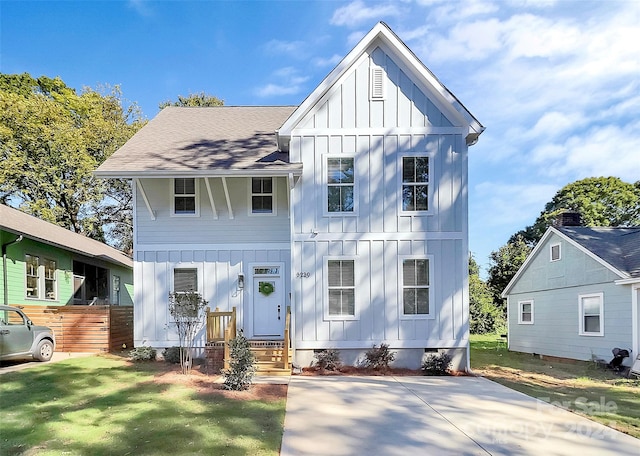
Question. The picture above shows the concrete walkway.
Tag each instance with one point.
(435, 416)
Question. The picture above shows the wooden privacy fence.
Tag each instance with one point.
(86, 328)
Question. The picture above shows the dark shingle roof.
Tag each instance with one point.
(229, 139)
(620, 247)
(18, 222)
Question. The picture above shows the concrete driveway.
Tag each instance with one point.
(13, 366)
(435, 416)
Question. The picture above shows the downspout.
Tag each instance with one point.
(4, 268)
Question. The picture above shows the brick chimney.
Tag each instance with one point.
(568, 218)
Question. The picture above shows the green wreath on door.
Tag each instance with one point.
(266, 288)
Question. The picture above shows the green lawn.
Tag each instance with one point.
(581, 387)
(106, 406)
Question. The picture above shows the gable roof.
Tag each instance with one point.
(616, 248)
(619, 247)
(235, 140)
(382, 34)
(19, 223)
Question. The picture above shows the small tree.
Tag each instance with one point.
(186, 309)
(241, 366)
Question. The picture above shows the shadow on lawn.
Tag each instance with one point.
(115, 408)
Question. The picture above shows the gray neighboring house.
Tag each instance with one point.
(577, 294)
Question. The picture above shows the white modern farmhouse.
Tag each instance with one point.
(350, 210)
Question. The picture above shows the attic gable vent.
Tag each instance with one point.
(377, 83)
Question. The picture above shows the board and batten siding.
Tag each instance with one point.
(378, 133)
(554, 287)
(205, 228)
(218, 268)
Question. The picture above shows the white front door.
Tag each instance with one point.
(268, 304)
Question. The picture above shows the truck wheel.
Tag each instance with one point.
(44, 352)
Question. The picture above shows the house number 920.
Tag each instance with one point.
(303, 275)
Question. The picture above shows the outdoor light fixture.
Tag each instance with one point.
(240, 281)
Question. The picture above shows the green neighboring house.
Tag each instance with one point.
(44, 264)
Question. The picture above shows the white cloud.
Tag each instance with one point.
(290, 82)
(357, 12)
(331, 61)
(142, 7)
(293, 48)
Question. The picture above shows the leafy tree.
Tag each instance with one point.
(201, 99)
(600, 201)
(187, 311)
(484, 316)
(505, 263)
(51, 140)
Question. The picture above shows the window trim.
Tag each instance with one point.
(581, 315)
(521, 304)
(551, 246)
(428, 316)
(274, 206)
(325, 288)
(41, 279)
(325, 186)
(196, 196)
(430, 188)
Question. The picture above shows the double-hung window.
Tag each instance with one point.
(340, 185)
(340, 275)
(41, 276)
(415, 184)
(591, 312)
(185, 196)
(416, 287)
(525, 312)
(555, 252)
(262, 195)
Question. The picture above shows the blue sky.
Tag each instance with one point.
(556, 83)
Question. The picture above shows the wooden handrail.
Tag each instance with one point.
(217, 322)
(287, 338)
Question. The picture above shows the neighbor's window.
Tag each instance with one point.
(262, 195)
(525, 312)
(591, 311)
(184, 196)
(49, 279)
(341, 286)
(185, 280)
(415, 286)
(32, 264)
(40, 278)
(555, 252)
(340, 185)
(415, 184)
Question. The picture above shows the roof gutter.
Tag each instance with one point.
(4, 267)
(146, 174)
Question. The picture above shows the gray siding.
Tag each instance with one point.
(555, 287)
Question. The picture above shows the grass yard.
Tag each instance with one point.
(598, 394)
(105, 405)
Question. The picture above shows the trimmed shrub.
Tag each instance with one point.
(437, 364)
(242, 365)
(142, 354)
(172, 355)
(328, 359)
(379, 357)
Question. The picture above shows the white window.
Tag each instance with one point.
(341, 191)
(341, 290)
(416, 287)
(415, 184)
(262, 195)
(41, 276)
(555, 252)
(185, 279)
(591, 312)
(525, 312)
(184, 201)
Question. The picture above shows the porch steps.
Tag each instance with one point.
(270, 358)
